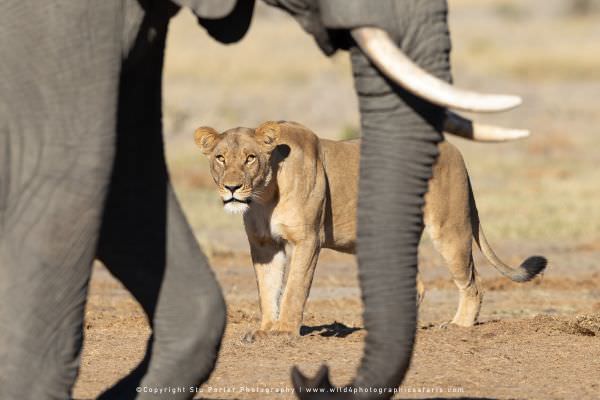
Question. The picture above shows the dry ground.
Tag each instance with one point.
(537, 340)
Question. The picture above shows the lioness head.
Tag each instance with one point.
(239, 161)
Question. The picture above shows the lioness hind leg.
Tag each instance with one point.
(457, 254)
(449, 216)
(470, 297)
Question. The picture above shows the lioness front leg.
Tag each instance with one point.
(269, 265)
(300, 275)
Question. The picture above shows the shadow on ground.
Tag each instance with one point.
(335, 329)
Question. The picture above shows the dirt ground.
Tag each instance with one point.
(539, 340)
(536, 340)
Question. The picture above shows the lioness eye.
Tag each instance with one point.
(220, 159)
(250, 158)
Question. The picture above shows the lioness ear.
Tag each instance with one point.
(206, 138)
(268, 134)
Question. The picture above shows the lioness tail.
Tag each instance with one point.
(526, 271)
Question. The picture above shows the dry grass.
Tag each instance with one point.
(548, 53)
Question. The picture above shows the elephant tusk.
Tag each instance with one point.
(465, 128)
(383, 52)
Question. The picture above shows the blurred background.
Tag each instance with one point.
(541, 190)
(536, 196)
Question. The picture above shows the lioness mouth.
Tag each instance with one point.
(234, 200)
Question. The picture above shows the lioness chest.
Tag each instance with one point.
(264, 224)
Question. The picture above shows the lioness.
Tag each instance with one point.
(298, 194)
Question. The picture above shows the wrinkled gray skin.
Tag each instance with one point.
(82, 175)
(399, 147)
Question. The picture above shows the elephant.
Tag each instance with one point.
(83, 177)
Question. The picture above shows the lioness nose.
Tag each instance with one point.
(233, 188)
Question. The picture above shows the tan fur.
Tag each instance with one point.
(303, 198)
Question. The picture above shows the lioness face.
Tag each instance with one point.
(239, 162)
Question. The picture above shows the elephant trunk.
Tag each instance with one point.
(398, 150)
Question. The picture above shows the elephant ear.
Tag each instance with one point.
(225, 20)
(206, 138)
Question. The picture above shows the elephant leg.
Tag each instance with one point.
(147, 243)
(269, 262)
(47, 246)
(158, 259)
(304, 256)
(57, 128)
